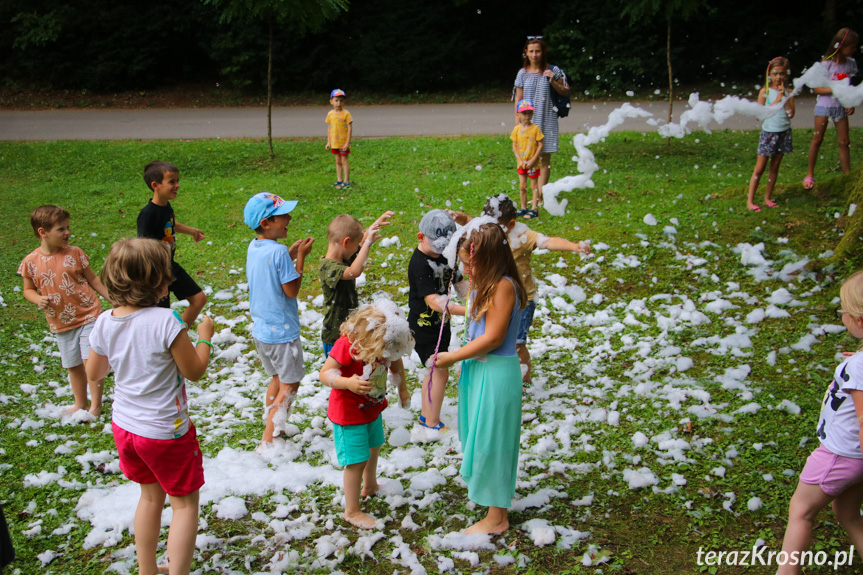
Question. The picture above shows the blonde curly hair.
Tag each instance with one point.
(378, 330)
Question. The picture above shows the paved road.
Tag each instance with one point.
(303, 122)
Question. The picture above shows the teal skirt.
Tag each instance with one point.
(489, 428)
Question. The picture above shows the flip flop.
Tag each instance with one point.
(808, 183)
(771, 204)
(755, 209)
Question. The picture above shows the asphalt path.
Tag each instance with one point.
(308, 122)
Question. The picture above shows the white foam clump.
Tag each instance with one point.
(754, 504)
(397, 337)
(639, 439)
(637, 478)
(393, 241)
(461, 541)
(649, 219)
(399, 437)
(451, 250)
(231, 508)
(540, 531)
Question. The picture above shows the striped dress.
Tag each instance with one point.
(536, 87)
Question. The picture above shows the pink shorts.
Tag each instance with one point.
(177, 465)
(340, 152)
(833, 473)
(532, 173)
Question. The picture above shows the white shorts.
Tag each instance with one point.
(74, 345)
(283, 359)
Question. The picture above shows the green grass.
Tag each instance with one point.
(639, 531)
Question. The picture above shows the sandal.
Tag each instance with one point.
(338, 184)
(440, 426)
(771, 204)
(520, 212)
(531, 214)
(345, 185)
(755, 208)
(808, 183)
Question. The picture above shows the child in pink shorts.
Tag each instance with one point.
(151, 354)
(834, 471)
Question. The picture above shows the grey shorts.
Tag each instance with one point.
(283, 359)
(835, 113)
(74, 345)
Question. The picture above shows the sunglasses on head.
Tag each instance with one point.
(535, 37)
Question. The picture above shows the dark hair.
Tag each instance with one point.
(155, 172)
(543, 61)
(490, 260)
(46, 217)
(501, 207)
(136, 271)
(844, 37)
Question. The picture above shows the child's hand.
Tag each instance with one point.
(346, 148)
(459, 217)
(583, 248)
(300, 246)
(197, 235)
(205, 328)
(384, 220)
(328, 146)
(358, 386)
(849, 111)
(373, 234)
(444, 360)
(44, 302)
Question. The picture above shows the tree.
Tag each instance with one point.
(669, 9)
(297, 16)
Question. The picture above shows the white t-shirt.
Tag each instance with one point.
(838, 428)
(149, 391)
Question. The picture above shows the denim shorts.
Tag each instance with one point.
(526, 322)
(835, 113)
(353, 442)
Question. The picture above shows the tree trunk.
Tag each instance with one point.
(848, 248)
(270, 92)
(670, 78)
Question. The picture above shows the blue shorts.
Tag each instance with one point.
(353, 442)
(526, 322)
(328, 347)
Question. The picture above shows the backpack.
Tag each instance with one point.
(560, 103)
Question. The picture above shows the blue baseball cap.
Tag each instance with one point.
(337, 92)
(524, 106)
(265, 205)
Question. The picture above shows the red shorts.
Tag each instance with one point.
(340, 152)
(177, 465)
(533, 173)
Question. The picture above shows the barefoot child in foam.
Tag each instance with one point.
(58, 279)
(374, 338)
(834, 471)
(156, 221)
(339, 133)
(523, 241)
(775, 139)
(151, 354)
(275, 274)
(527, 146)
(489, 390)
(429, 278)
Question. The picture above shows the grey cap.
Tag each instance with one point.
(438, 226)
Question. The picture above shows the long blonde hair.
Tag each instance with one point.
(490, 260)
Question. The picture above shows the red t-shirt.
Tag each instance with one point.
(349, 408)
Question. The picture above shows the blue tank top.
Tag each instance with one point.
(780, 121)
(507, 348)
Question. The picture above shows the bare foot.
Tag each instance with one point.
(370, 489)
(72, 409)
(163, 568)
(361, 520)
(487, 526)
(95, 411)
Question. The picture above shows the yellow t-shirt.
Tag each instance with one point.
(526, 141)
(338, 130)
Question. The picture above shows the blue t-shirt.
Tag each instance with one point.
(275, 316)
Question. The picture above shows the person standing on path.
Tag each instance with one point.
(534, 82)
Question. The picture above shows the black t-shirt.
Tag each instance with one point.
(157, 222)
(427, 275)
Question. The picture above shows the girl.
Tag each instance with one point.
(527, 146)
(150, 353)
(489, 408)
(775, 140)
(834, 471)
(533, 82)
(374, 338)
(840, 65)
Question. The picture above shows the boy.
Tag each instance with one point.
(339, 137)
(348, 247)
(58, 279)
(527, 146)
(523, 241)
(156, 221)
(429, 279)
(274, 283)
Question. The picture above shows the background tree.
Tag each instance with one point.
(297, 16)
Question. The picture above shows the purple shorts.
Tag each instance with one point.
(833, 473)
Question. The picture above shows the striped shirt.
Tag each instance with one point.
(536, 88)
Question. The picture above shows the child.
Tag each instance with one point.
(527, 146)
(374, 339)
(834, 471)
(339, 137)
(489, 390)
(156, 221)
(429, 278)
(348, 247)
(840, 65)
(151, 354)
(523, 241)
(58, 279)
(274, 283)
(775, 140)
